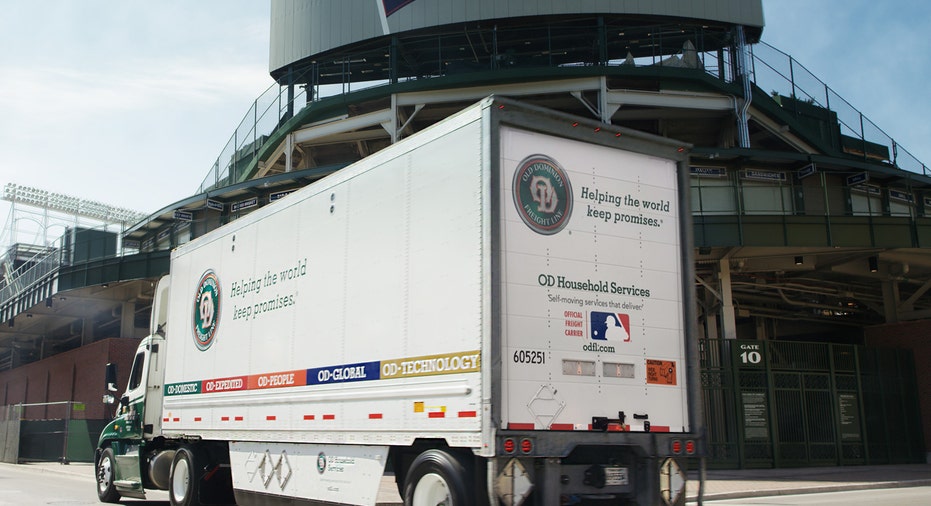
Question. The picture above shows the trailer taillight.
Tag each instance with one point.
(509, 446)
(676, 447)
(526, 446)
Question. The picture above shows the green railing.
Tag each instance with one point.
(732, 208)
(783, 76)
(792, 86)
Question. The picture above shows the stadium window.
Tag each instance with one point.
(901, 202)
(866, 200)
(712, 191)
(766, 192)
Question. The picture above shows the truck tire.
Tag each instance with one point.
(106, 465)
(184, 481)
(437, 477)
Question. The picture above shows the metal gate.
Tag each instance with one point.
(791, 404)
(47, 432)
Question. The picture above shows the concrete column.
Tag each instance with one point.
(891, 301)
(711, 320)
(128, 320)
(288, 152)
(761, 328)
(728, 316)
(88, 329)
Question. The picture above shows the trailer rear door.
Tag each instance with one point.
(591, 286)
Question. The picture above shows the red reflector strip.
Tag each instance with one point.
(308, 417)
(224, 418)
(374, 416)
(198, 419)
(562, 426)
(329, 417)
(165, 419)
(520, 426)
(616, 427)
(437, 414)
(467, 414)
(175, 419)
(270, 418)
(238, 418)
(659, 428)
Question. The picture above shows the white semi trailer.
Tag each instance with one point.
(498, 309)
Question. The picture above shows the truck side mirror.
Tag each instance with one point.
(111, 377)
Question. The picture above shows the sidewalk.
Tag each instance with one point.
(730, 484)
(735, 484)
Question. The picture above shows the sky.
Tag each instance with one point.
(130, 102)
(874, 54)
(125, 102)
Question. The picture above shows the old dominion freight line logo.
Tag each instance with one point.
(206, 310)
(542, 194)
(321, 462)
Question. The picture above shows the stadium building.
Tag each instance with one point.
(811, 226)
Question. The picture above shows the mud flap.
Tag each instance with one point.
(672, 483)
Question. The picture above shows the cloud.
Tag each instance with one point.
(49, 91)
(124, 101)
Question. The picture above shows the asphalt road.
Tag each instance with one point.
(33, 486)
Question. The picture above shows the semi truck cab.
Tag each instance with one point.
(132, 453)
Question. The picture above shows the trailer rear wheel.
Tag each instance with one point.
(106, 492)
(437, 478)
(183, 482)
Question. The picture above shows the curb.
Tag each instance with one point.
(85, 469)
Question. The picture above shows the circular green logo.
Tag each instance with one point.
(321, 462)
(206, 310)
(542, 194)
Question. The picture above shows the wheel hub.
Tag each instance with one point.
(431, 490)
(180, 483)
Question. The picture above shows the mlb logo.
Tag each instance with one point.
(610, 326)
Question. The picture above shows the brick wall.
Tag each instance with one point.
(915, 336)
(76, 375)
